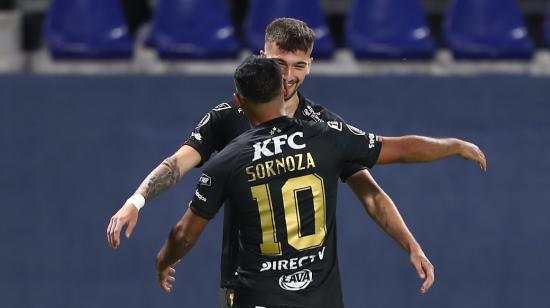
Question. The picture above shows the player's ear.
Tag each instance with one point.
(262, 53)
(310, 62)
(238, 99)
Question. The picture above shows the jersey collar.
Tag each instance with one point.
(274, 121)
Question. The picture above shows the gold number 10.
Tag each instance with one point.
(270, 245)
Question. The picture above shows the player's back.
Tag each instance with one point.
(281, 180)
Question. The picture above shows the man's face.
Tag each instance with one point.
(294, 66)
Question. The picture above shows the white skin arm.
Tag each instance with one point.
(418, 149)
(383, 211)
(163, 177)
(181, 240)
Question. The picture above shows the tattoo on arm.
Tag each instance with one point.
(166, 175)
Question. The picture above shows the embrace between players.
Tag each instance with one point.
(278, 180)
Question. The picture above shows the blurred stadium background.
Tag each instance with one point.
(95, 93)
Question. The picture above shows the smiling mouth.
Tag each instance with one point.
(288, 87)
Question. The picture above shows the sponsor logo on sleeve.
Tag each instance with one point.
(296, 281)
(335, 125)
(221, 107)
(199, 196)
(204, 120)
(315, 116)
(372, 138)
(196, 136)
(355, 130)
(205, 180)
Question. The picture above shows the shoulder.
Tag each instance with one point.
(223, 110)
(318, 113)
(223, 163)
(221, 113)
(235, 147)
(312, 128)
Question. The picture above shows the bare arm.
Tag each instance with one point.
(383, 211)
(417, 149)
(169, 172)
(163, 177)
(181, 240)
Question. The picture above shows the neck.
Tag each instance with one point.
(266, 112)
(291, 105)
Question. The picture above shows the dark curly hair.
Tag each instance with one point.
(290, 34)
(258, 79)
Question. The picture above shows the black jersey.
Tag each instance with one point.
(281, 180)
(223, 124)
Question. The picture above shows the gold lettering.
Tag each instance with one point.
(251, 173)
(310, 161)
(260, 171)
(300, 166)
(269, 168)
(290, 161)
(280, 164)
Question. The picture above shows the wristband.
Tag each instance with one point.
(137, 200)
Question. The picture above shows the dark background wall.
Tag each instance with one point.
(72, 149)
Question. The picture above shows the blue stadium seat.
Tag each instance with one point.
(261, 13)
(193, 29)
(485, 29)
(91, 29)
(388, 29)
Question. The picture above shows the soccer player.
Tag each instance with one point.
(289, 42)
(281, 180)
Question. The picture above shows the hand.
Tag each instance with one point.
(127, 215)
(166, 277)
(471, 151)
(425, 270)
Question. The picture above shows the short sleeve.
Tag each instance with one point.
(206, 138)
(350, 169)
(334, 119)
(356, 145)
(211, 189)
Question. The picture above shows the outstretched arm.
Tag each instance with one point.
(383, 211)
(181, 240)
(163, 177)
(417, 149)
